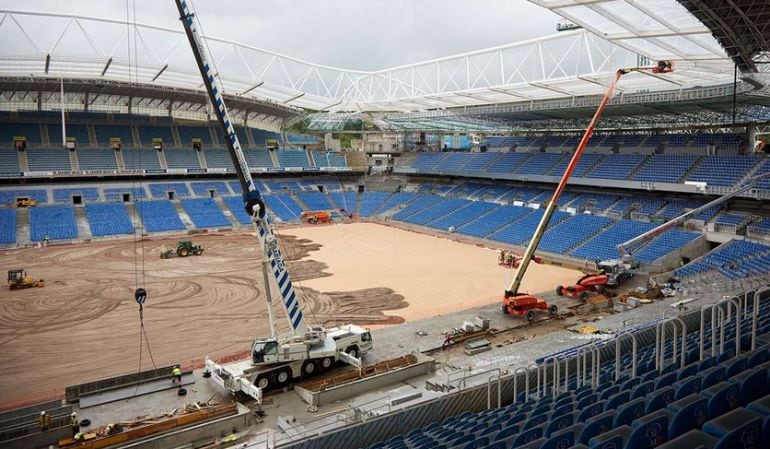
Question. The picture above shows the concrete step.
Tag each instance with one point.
(188, 223)
(22, 225)
(84, 229)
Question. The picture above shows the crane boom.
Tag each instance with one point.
(513, 290)
(623, 247)
(273, 263)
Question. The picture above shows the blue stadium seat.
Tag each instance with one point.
(205, 213)
(7, 225)
(108, 219)
(159, 215)
(56, 222)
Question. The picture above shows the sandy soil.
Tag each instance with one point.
(84, 325)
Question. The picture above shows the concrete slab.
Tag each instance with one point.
(132, 391)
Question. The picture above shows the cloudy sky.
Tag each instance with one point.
(353, 34)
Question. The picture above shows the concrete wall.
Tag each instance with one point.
(38, 439)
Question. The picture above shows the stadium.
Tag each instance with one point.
(560, 242)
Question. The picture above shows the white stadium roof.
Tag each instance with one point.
(574, 63)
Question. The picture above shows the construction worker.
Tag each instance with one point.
(176, 375)
(75, 424)
(501, 260)
(509, 260)
(45, 421)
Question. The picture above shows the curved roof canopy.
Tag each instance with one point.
(616, 33)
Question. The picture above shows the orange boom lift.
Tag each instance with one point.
(524, 304)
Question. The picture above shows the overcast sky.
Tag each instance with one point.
(352, 34)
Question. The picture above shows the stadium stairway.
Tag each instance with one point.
(188, 223)
(74, 164)
(359, 200)
(136, 221)
(296, 199)
(84, 229)
(22, 225)
(226, 211)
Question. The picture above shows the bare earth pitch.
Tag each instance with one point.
(84, 324)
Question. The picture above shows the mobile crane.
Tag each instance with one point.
(524, 304)
(306, 350)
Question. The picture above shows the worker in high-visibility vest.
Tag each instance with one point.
(75, 424)
(176, 375)
(45, 421)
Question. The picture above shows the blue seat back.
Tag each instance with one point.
(665, 380)
(559, 423)
(614, 439)
(596, 426)
(738, 429)
(712, 376)
(722, 398)
(560, 440)
(649, 431)
(590, 411)
(643, 389)
(660, 399)
(686, 387)
(689, 413)
(630, 411)
(616, 400)
(528, 435)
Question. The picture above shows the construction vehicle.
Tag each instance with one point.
(524, 304)
(276, 360)
(611, 274)
(26, 202)
(18, 279)
(315, 217)
(184, 248)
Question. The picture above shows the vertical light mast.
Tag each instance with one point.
(272, 260)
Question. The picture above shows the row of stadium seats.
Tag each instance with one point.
(249, 137)
(725, 141)
(714, 400)
(668, 168)
(106, 159)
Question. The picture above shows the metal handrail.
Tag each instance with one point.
(618, 340)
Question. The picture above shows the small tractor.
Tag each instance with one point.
(611, 274)
(315, 217)
(25, 202)
(18, 279)
(183, 249)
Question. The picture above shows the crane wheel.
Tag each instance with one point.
(584, 296)
(308, 368)
(553, 310)
(352, 351)
(327, 363)
(559, 291)
(530, 315)
(282, 377)
(504, 309)
(264, 382)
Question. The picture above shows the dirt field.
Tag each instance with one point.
(84, 324)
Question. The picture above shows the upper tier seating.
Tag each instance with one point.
(48, 159)
(329, 159)
(426, 161)
(417, 206)
(507, 162)
(585, 163)
(88, 194)
(96, 159)
(258, 158)
(79, 132)
(540, 163)
(7, 225)
(181, 158)
(56, 222)
(295, 139)
(218, 158)
(188, 133)
(205, 213)
(9, 160)
(469, 212)
(261, 136)
(452, 161)
(616, 166)
(159, 215)
(140, 159)
(160, 190)
(293, 158)
(723, 170)
(108, 219)
(106, 132)
(665, 168)
(147, 133)
(30, 131)
(396, 200)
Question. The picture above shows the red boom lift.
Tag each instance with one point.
(524, 304)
